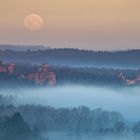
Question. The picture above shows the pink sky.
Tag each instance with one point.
(84, 24)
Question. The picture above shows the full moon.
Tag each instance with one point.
(33, 22)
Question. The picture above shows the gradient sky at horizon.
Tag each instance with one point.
(84, 24)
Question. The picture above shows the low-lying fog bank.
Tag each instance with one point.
(124, 100)
(69, 136)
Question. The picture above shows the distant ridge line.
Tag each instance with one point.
(10, 47)
(5, 47)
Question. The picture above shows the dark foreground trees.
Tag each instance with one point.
(14, 128)
(31, 121)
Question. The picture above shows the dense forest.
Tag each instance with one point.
(79, 120)
(68, 75)
(93, 76)
(75, 57)
(25, 121)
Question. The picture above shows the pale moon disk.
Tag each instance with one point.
(33, 22)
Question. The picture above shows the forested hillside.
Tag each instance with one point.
(75, 57)
(81, 120)
(41, 75)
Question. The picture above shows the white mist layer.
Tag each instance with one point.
(124, 100)
(66, 136)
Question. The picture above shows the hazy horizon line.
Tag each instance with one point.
(49, 47)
